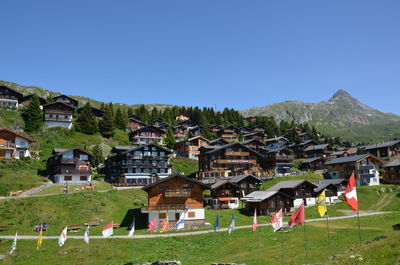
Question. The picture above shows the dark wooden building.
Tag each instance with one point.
(392, 171)
(321, 150)
(9, 97)
(134, 123)
(58, 114)
(66, 100)
(147, 135)
(384, 150)
(302, 191)
(313, 164)
(95, 111)
(70, 166)
(28, 98)
(268, 202)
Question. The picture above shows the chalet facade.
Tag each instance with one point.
(313, 164)
(254, 144)
(384, 150)
(191, 147)
(268, 202)
(147, 135)
(254, 135)
(299, 147)
(28, 98)
(215, 128)
(134, 123)
(140, 165)
(58, 114)
(69, 166)
(392, 171)
(365, 168)
(333, 189)
(301, 191)
(278, 158)
(178, 197)
(9, 97)
(230, 160)
(279, 139)
(218, 142)
(228, 134)
(66, 100)
(321, 150)
(13, 144)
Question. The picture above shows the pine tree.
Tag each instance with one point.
(33, 115)
(97, 156)
(170, 139)
(121, 119)
(86, 121)
(106, 124)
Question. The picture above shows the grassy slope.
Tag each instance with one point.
(184, 165)
(310, 176)
(10, 119)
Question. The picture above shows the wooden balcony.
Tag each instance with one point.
(237, 153)
(177, 193)
(235, 161)
(167, 207)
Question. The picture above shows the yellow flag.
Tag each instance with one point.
(321, 204)
(39, 241)
(165, 226)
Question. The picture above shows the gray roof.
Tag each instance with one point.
(259, 196)
(172, 176)
(287, 184)
(393, 163)
(347, 159)
(387, 144)
(237, 179)
(222, 182)
(124, 147)
(322, 184)
(59, 150)
(316, 147)
(310, 160)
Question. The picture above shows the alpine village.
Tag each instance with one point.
(163, 182)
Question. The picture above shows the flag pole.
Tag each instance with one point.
(359, 228)
(305, 242)
(282, 257)
(327, 230)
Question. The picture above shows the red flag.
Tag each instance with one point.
(276, 221)
(254, 226)
(298, 217)
(152, 225)
(350, 194)
(108, 230)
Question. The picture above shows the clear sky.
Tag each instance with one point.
(231, 53)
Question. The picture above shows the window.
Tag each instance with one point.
(164, 187)
(8, 153)
(84, 157)
(67, 178)
(83, 178)
(65, 116)
(154, 153)
(68, 155)
(162, 153)
(162, 215)
(81, 167)
(21, 154)
(188, 186)
(191, 214)
(153, 148)
(177, 216)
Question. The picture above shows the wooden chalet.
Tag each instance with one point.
(215, 128)
(9, 97)
(392, 171)
(268, 202)
(181, 117)
(28, 98)
(313, 164)
(299, 147)
(13, 144)
(134, 123)
(254, 135)
(138, 165)
(279, 139)
(191, 148)
(278, 158)
(384, 150)
(218, 142)
(179, 133)
(365, 168)
(186, 124)
(259, 128)
(58, 114)
(230, 160)
(228, 134)
(195, 131)
(66, 100)
(301, 191)
(246, 183)
(178, 197)
(95, 111)
(147, 135)
(254, 144)
(321, 150)
(333, 188)
(244, 130)
(70, 166)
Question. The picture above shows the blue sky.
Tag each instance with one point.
(231, 53)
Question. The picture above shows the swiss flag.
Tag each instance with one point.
(108, 230)
(350, 194)
(276, 221)
(152, 225)
(254, 226)
(298, 217)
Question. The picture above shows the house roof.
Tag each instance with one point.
(148, 127)
(259, 196)
(60, 151)
(331, 181)
(13, 90)
(239, 178)
(147, 187)
(322, 186)
(218, 139)
(392, 163)
(123, 147)
(310, 160)
(316, 147)
(288, 184)
(252, 140)
(349, 159)
(221, 147)
(58, 102)
(142, 146)
(17, 134)
(276, 147)
(65, 96)
(386, 144)
(279, 138)
(222, 182)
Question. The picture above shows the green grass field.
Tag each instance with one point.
(309, 176)
(56, 189)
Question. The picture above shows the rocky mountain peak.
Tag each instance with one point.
(342, 95)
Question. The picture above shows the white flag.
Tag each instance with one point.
(86, 235)
(63, 237)
(232, 226)
(14, 244)
(276, 221)
(132, 231)
(108, 230)
(181, 223)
